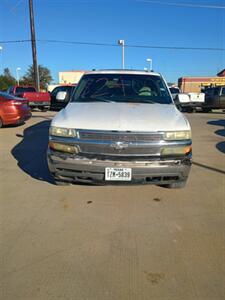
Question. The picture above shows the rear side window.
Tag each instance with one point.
(223, 91)
(21, 89)
(174, 90)
(209, 92)
(216, 91)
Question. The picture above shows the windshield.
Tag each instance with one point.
(122, 88)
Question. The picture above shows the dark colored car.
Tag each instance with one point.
(13, 110)
(58, 104)
(214, 98)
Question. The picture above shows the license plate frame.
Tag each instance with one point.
(118, 174)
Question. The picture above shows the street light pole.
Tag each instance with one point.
(17, 75)
(122, 43)
(34, 50)
(1, 65)
(149, 60)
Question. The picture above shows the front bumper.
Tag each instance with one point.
(45, 104)
(83, 169)
(190, 104)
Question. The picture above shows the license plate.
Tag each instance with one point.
(118, 174)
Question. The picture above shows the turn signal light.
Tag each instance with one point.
(63, 147)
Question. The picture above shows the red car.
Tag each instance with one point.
(13, 110)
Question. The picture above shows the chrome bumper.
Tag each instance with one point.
(82, 169)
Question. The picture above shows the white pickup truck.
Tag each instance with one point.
(187, 101)
(120, 127)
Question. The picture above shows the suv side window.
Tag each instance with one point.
(216, 91)
(223, 91)
(209, 92)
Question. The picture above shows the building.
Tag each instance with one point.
(70, 77)
(196, 84)
(221, 73)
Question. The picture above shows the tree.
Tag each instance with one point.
(44, 77)
(6, 80)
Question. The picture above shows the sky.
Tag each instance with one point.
(163, 23)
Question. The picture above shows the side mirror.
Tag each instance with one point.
(61, 96)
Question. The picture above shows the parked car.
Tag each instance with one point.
(187, 101)
(214, 98)
(13, 110)
(58, 103)
(40, 100)
(120, 126)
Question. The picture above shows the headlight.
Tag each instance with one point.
(65, 132)
(177, 135)
(176, 150)
(63, 147)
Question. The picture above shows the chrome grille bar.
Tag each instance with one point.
(105, 149)
(119, 136)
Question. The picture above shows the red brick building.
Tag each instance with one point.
(196, 84)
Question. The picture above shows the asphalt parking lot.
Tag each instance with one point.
(84, 242)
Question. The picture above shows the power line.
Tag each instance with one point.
(79, 43)
(184, 4)
(116, 45)
(133, 46)
(15, 41)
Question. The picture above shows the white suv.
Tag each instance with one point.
(120, 126)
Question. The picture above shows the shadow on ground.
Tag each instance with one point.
(221, 132)
(30, 153)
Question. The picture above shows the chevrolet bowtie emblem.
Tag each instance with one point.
(119, 145)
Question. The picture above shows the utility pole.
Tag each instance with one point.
(122, 43)
(34, 51)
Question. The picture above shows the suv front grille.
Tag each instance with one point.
(112, 136)
(105, 149)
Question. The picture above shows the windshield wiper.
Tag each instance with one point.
(84, 100)
(145, 101)
(101, 100)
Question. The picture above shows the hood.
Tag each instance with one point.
(121, 117)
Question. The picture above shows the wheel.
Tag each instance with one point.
(44, 109)
(179, 107)
(1, 123)
(175, 185)
(206, 109)
(190, 110)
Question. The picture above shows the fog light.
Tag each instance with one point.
(63, 147)
(176, 150)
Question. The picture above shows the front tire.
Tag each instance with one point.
(43, 109)
(206, 110)
(1, 123)
(179, 107)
